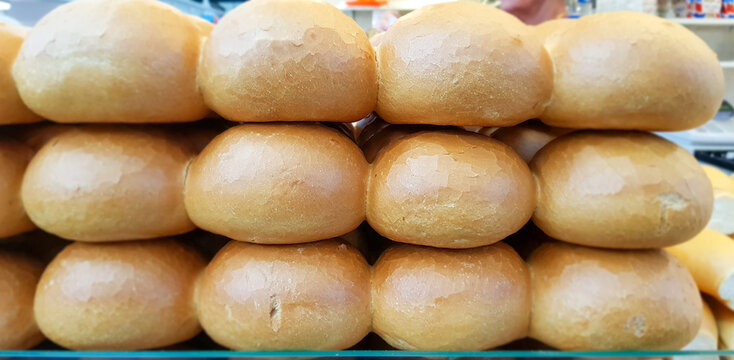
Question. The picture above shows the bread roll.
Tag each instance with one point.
(290, 297)
(632, 71)
(598, 299)
(450, 190)
(550, 31)
(617, 189)
(445, 300)
(18, 278)
(119, 296)
(103, 61)
(462, 63)
(529, 137)
(278, 184)
(725, 322)
(37, 135)
(12, 108)
(722, 218)
(289, 60)
(710, 258)
(109, 183)
(707, 338)
(14, 158)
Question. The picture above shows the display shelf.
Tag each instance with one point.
(391, 354)
(704, 22)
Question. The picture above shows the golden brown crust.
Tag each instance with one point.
(632, 71)
(18, 278)
(120, 296)
(109, 183)
(290, 297)
(289, 60)
(528, 138)
(131, 61)
(14, 158)
(278, 184)
(449, 189)
(12, 108)
(620, 189)
(597, 299)
(440, 299)
(462, 63)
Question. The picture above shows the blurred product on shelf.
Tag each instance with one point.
(659, 75)
(533, 12)
(312, 296)
(127, 61)
(449, 189)
(12, 108)
(313, 63)
(722, 219)
(109, 183)
(606, 300)
(120, 296)
(709, 256)
(527, 138)
(725, 323)
(461, 63)
(18, 278)
(620, 189)
(278, 184)
(14, 158)
(707, 337)
(447, 300)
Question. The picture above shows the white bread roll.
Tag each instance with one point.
(620, 189)
(709, 256)
(462, 63)
(722, 219)
(130, 61)
(18, 278)
(12, 108)
(119, 296)
(14, 158)
(707, 338)
(444, 300)
(528, 138)
(632, 71)
(598, 299)
(288, 60)
(725, 323)
(278, 184)
(290, 297)
(450, 190)
(109, 183)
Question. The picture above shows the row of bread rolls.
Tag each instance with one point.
(325, 296)
(295, 183)
(458, 63)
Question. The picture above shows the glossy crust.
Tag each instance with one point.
(620, 189)
(462, 63)
(290, 297)
(289, 60)
(438, 299)
(449, 189)
(528, 138)
(598, 299)
(12, 108)
(18, 278)
(119, 296)
(109, 183)
(14, 158)
(632, 71)
(103, 61)
(278, 184)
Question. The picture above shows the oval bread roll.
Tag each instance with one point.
(14, 158)
(462, 63)
(632, 71)
(445, 300)
(288, 60)
(617, 189)
(290, 297)
(12, 108)
(722, 218)
(109, 183)
(103, 61)
(528, 138)
(18, 278)
(119, 296)
(707, 337)
(598, 299)
(278, 184)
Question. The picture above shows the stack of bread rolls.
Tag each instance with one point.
(287, 186)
